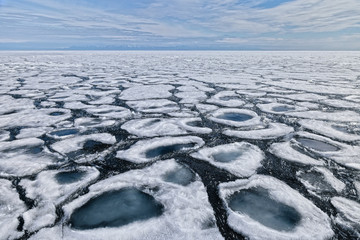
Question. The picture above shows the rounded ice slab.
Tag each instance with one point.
(153, 127)
(318, 145)
(148, 150)
(329, 129)
(172, 210)
(241, 159)
(280, 108)
(80, 142)
(227, 99)
(51, 188)
(348, 212)
(319, 180)
(10, 209)
(264, 207)
(272, 130)
(146, 92)
(235, 117)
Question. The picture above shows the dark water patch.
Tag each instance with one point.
(257, 204)
(227, 156)
(162, 150)
(115, 209)
(317, 145)
(283, 108)
(69, 176)
(182, 176)
(58, 113)
(64, 132)
(92, 146)
(237, 117)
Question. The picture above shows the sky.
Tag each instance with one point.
(180, 24)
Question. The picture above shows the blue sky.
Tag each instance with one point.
(180, 24)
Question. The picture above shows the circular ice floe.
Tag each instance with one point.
(241, 159)
(319, 180)
(328, 129)
(140, 204)
(348, 212)
(10, 209)
(337, 116)
(264, 207)
(280, 108)
(110, 111)
(148, 150)
(235, 117)
(49, 189)
(24, 157)
(341, 153)
(272, 130)
(285, 150)
(79, 142)
(146, 92)
(34, 118)
(227, 99)
(152, 127)
(154, 106)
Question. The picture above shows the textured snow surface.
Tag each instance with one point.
(256, 140)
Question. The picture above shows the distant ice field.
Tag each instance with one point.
(179, 145)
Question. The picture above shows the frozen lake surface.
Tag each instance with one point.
(179, 145)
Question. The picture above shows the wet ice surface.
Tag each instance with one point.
(81, 132)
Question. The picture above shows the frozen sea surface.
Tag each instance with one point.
(179, 145)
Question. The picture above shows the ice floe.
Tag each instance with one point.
(235, 117)
(328, 129)
(11, 207)
(348, 212)
(280, 108)
(25, 157)
(319, 180)
(272, 130)
(227, 99)
(149, 150)
(154, 106)
(146, 92)
(49, 189)
(155, 208)
(239, 158)
(79, 142)
(264, 207)
(152, 127)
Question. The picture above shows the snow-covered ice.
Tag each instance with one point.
(82, 131)
(239, 158)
